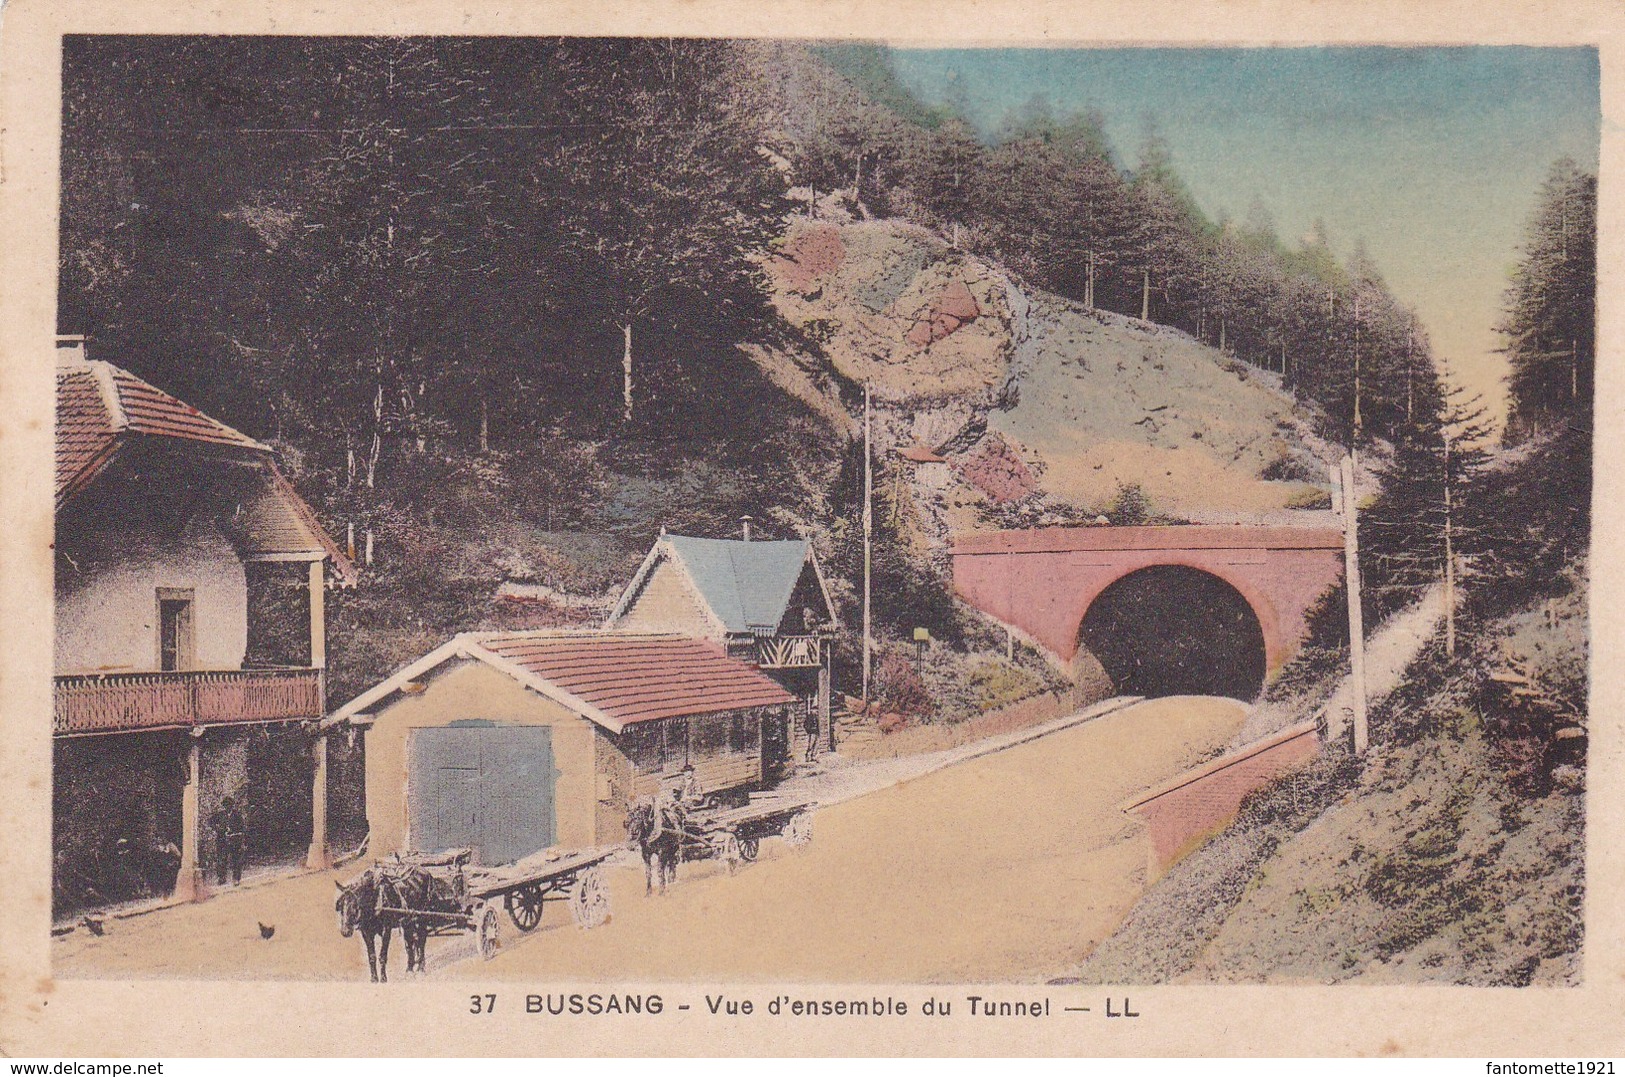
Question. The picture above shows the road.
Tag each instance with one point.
(1006, 868)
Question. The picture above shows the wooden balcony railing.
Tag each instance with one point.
(120, 702)
(789, 652)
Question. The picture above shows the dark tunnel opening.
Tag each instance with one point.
(1171, 630)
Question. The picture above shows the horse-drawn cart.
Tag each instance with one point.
(735, 834)
(676, 828)
(440, 894)
(526, 885)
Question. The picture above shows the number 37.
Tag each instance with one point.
(482, 1003)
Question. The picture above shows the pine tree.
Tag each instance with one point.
(1420, 520)
(662, 191)
(943, 166)
(1550, 320)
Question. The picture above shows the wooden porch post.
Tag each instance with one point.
(189, 884)
(317, 859)
(318, 619)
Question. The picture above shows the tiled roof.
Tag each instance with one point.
(634, 678)
(99, 407)
(747, 584)
(85, 435)
(97, 404)
(276, 520)
(152, 411)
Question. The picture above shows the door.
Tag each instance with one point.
(483, 786)
(175, 630)
(775, 746)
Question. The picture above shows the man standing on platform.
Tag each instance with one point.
(230, 841)
(809, 726)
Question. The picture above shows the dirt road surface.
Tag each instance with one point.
(1007, 868)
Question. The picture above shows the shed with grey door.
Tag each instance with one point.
(509, 743)
(482, 786)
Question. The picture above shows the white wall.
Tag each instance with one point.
(107, 597)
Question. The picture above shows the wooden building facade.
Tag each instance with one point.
(765, 603)
(508, 743)
(175, 687)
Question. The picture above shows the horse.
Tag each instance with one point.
(657, 830)
(411, 887)
(357, 906)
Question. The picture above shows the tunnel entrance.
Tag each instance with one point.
(1172, 630)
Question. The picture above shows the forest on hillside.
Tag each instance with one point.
(1454, 850)
(483, 293)
(388, 239)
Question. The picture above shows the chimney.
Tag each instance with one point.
(744, 522)
(70, 347)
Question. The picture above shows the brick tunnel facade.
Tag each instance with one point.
(1044, 582)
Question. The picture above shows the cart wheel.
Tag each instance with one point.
(589, 901)
(749, 847)
(485, 930)
(525, 907)
(728, 851)
(798, 831)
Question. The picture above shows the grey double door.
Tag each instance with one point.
(483, 786)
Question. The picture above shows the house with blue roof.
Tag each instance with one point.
(766, 603)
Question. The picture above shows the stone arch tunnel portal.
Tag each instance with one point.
(1174, 630)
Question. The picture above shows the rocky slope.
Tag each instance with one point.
(998, 405)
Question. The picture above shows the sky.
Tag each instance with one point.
(1432, 156)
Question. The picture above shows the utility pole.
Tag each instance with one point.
(1449, 561)
(1410, 367)
(868, 538)
(1351, 576)
(1356, 370)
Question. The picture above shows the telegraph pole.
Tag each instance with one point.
(1357, 424)
(1351, 577)
(1449, 561)
(868, 538)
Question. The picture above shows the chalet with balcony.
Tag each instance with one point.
(765, 603)
(189, 649)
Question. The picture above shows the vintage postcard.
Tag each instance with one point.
(947, 529)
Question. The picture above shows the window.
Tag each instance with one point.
(643, 744)
(175, 647)
(676, 753)
(711, 735)
(742, 733)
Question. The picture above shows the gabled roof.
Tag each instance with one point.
(101, 409)
(615, 679)
(746, 585)
(99, 406)
(278, 521)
